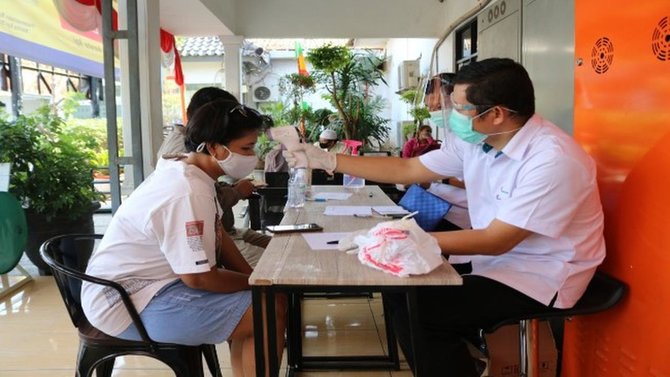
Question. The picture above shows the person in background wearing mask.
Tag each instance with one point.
(250, 243)
(451, 189)
(421, 143)
(328, 141)
(537, 219)
(163, 242)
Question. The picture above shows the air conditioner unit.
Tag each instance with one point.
(408, 74)
(263, 94)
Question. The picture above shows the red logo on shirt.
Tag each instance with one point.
(195, 228)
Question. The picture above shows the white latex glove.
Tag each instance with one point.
(317, 158)
(347, 242)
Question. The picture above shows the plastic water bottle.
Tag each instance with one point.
(297, 188)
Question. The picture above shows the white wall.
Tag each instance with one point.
(208, 72)
(397, 51)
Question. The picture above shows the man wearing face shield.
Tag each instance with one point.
(451, 189)
(328, 142)
(532, 194)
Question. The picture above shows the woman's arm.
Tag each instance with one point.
(217, 280)
(230, 255)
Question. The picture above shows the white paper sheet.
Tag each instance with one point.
(332, 195)
(348, 211)
(389, 210)
(320, 240)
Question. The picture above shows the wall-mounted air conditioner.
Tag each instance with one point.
(263, 93)
(408, 74)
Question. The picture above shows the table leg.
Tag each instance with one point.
(259, 338)
(414, 329)
(294, 331)
(272, 331)
(390, 338)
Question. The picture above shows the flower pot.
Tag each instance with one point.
(40, 230)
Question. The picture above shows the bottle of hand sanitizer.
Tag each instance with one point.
(350, 181)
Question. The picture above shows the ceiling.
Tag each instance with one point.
(354, 19)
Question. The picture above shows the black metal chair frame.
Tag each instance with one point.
(98, 350)
(602, 293)
(261, 205)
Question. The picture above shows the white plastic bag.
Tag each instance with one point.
(399, 247)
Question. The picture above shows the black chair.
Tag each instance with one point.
(602, 293)
(276, 179)
(320, 177)
(266, 207)
(376, 153)
(67, 255)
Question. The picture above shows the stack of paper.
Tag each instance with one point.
(348, 211)
(390, 210)
(332, 195)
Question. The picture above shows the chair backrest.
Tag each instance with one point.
(276, 179)
(376, 153)
(320, 177)
(270, 206)
(68, 255)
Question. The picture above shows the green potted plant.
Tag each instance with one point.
(348, 78)
(51, 175)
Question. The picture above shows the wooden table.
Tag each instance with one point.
(289, 265)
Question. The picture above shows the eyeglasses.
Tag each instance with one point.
(480, 108)
(466, 107)
(244, 110)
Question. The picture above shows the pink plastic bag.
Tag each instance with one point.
(399, 247)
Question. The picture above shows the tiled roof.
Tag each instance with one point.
(212, 46)
(200, 46)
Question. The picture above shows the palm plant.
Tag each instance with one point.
(348, 78)
(418, 112)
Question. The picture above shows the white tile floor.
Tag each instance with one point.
(38, 338)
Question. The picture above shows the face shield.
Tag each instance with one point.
(437, 100)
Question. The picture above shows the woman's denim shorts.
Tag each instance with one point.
(182, 315)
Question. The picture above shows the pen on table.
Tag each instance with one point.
(371, 215)
(332, 242)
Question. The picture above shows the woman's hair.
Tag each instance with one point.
(222, 121)
(421, 128)
(205, 95)
(424, 127)
(498, 81)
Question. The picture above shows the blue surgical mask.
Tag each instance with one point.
(461, 126)
(437, 118)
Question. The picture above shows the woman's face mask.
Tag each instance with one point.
(236, 165)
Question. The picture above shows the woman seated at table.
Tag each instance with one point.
(161, 245)
(421, 143)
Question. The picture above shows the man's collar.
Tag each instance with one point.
(517, 146)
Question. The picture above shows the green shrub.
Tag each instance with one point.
(52, 165)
